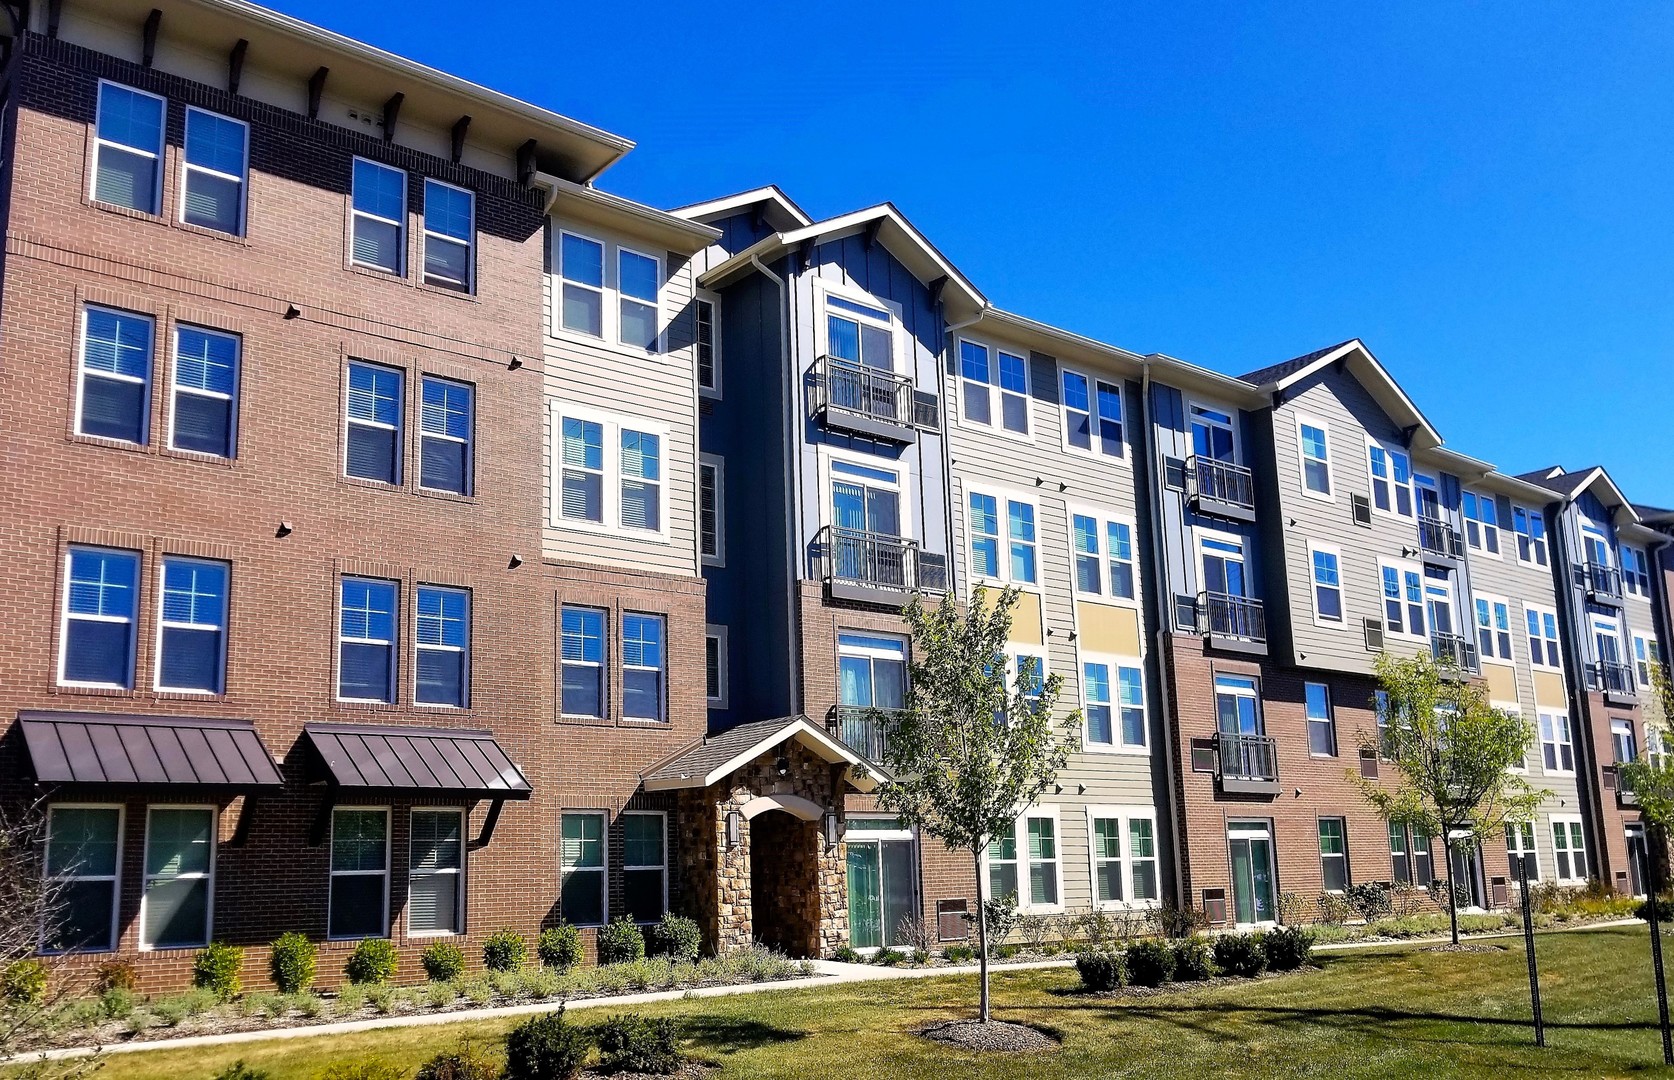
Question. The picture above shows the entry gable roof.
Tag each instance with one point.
(1571, 484)
(777, 209)
(714, 757)
(1366, 369)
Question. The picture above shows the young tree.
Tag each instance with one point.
(970, 754)
(1454, 754)
(1652, 782)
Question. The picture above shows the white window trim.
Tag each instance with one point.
(1545, 540)
(164, 623)
(1542, 611)
(64, 617)
(1231, 412)
(1648, 642)
(719, 464)
(394, 644)
(1573, 879)
(1123, 815)
(1464, 524)
(469, 441)
(604, 289)
(1411, 486)
(662, 816)
(1402, 568)
(83, 373)
(602, 665)
(996, 395)
(1348, 872)
(1514, 708)
(1308, 722)
(1049, 811)
(470, 282)
(401, 226)
(464, 652)
(243, 180)
(1559, 743)
(610, 438)
(1612, 628)
(1201, 533)
(1093, 448)
(905, 484)
(115, 878)
(1102, 518)
(1476, 628)
(1117, 744)
(1302, 460)
(388, 842)
(714, 301)
(175, 390)
(719, 633)
(662, 716)
(399, 427)
(460, 891)
(1341, 622)
(162, 141)
(1642, 559)
(659, 342)
(209, 877)
(603, 870)
(899, 354)
(1001, 496)
(1533, 851)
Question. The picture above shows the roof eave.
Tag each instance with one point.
(676, 233)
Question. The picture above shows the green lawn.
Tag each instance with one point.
(1394, 1011)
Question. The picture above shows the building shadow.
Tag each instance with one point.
(730, 1034)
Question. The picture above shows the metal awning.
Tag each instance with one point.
(139, 751)
(414, 760)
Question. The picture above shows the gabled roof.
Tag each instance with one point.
(589, 204)
(1571, 484)
(777, 208)
(715, 757)
(1360, 363)
(1275, 372)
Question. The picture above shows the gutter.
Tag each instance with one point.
(793, 654)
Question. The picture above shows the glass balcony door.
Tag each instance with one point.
(1251, 851)
(1212, 434)
(871, 671)
(882, 873)
(1223, 567)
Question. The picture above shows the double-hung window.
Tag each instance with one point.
(378, 222)
(1647, 657)
(1543, 638)
(373, 441)
(1557, 750)
(642, 480)
(1092, 414)
(447, 422)
(203, 415)
(638, 278)
(83, 849)
(1493, 627)
(436, 873)
(1019, 565)
(1020, 530)
(192, 627)
(582, 869)
(1409, 852)
(1636, 572)
(644, 669)
(706, 343)
(610, 472)
(1403, 599)
(1322, 720)
(984, 526)
(1482, 522)
(1104, 560)
(366, 640)
(450, 232)
(582, 471)
(1520, 850)
(359, 898)
(1623, 741)
(179, 877)
(583, 690)
(1316, 457)
(581, 272)
(987, 372)
(1391, 480)
(1530, 527)
(1124, 856)
(644, 866)
(115, 384)
(712, 537)
(128, 148)
(101, 596)
(1114, 702)
(1041, 831)
(443, 641)
(217, 170)
(1569, 849)
(1328, 584)
(1333, 854)
(1400, 863)
(1002, 867)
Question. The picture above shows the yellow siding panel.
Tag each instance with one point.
(1108, 629)
(1502, 683)
(1025, 620)
(1549, 690)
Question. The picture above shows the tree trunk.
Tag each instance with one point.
(982, 937)
(1452, 891)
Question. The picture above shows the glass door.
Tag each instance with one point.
(882, 881)
(1438, 601)
(1466, 860)
(1251, 851)
(1223, 567)
(1212, 436)
(866, 524)
(865, 895)
(1429, 497)
(1637, 853)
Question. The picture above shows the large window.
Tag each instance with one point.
(1543, 638)
(1409, 853)
(450, 233)
(1493, 627)
(447, 423)
(871, 671)
(1018, 566)
(610, 472)
(101, 594)
(436, 873)
(1530, 527)
(1482, 522)
(581, 271)
(1124, 856)
(1328, 584)
(1333, 854)
(1238, 706)
(192, 626)
(1024, 863)
(1557, 750)
(582, 869)
(1520, 849)
(712, 537)
(859, 335)
(203, 416)
(1403, 599)
(1104, 559)
(114, 397)
(1569, 850)
(359, 903)
(1391, 480)
(583, 662)
(217, 167)
(1316, 456)
(1623, 741)
(989, 373)
(374, 408)
(638, 278)
(366, 640)
(645, 865)
(443, 642)
(128, 149)
(1114, 702)
(84, 845)
(1647, 657)
(379, 217)
(644, 663)
(1092, 414)
(1322, 721)
(179, 877)
(1636, 572)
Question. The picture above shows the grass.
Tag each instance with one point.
(1394, 1011)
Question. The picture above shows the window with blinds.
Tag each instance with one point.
(101, 597)
(128, 148)
(192, 629)
(443, 642)
(436, 873)
(373, 440)
(378, 217)
(83, 851)
(217, 168)
(446, 434)
(583, 652)
(115, 385)
(583, 470)
(608, 472)
(366, 639)
(359, 901)
(204, 409)
(644, 866)
(582, 861)
(642, 485)
(643, 660)
(179, 877)
(450, 231)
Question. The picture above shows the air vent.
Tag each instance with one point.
(951, 921)
(1174, 473)
(1362, 507)
(1609, 778)
(1214, 906)
(1203, 755)
(1185, 612)
(1374, 634)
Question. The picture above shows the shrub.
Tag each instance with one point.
(24, 982)
(372, 962)
(1333, 909)
(621, 941)
(559, 946)
(1178, 922)
(118, 1003)
(216, 968)
(1001, 915)
(240, 1071)
(921, 956)
(1665, 909)
(1191, 960)
(678, 937)
(547, 1047)
(1369, 900)
(1287, 947)
(443, 962)
(1239, 955)
(959, 954)
(634, 1044)
(1102, 969)
(116, 975)
(370, 1069)
(463, 1062)
(887, 957)
(915, 933)
(1007, 952)
(1150, 962)
(846, 954)
(1036, 928)
(291, 963)
(505, 950)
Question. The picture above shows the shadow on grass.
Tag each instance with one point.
(730, 1034)
(1371, 1019)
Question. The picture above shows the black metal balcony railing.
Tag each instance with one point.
(1437, 537)
(878, 562)
(1221, 482)
(1613, 677)
(1248, 758)
(1454, 649)
(1220, 615)
(877, 398)
(1599, 580)
(864, 729)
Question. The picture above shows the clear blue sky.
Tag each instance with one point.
(1483, 193)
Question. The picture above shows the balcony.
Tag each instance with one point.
(873, 568)
(864, 729)
(1452, 650)
(1220, 488)
(1440, 542)
(868, 401)
(1603, 583)
(1615, 680)
(1247, 764)
(1232, 623)
(1626, 798)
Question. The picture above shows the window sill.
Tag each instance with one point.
(644, 536)
(109, 443)
(1117, 751)
(365, 706)
(585, 721)
(198, 456)
(445, 496)
(95, 691)
(189, 695)
(467, 295)
(214, 234)
(370, 485)
(642, 722)
(124, 211)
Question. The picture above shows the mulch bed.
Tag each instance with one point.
(994, 1036)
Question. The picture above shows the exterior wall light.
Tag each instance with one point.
(735, 828)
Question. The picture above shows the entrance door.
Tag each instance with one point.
(1466, 861)
(882, 879)
(1251, 850)
(1637, 853)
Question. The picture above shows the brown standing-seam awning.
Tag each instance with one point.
(415, 760)
(139, 751)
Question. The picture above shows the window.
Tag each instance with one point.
(1002, 867)
(1623, 741)
(379, 217)
(1237, 705)
(1124, 854)
(359, 902)
(1333, 854)
(436, 873)
(1403, 599)
(1043, 860)
(1322, 723)
(1391, 480)
(1543, 638)
(1020, 529)
(642, 667)
(373, 450)
(366, 640)
(1647, 657)
(865, 503)
(1026, 671)
(1530, 527)
(1380, 707)
(1636, 572)
(859, 335)
(1409, 852)
(1092, 409)
(83, 851)
(582, 474)
(985, 535)
(1328, 584)
(128, 148)
(986, 371)
(1316, 457)
(871, 671)
(1423, 869)
(450, 232)
(1400, 863)
(192, 627)
(1557, 751)
(582, 870)
(1213, 435)
(1520, 850)
(712, 538)
(447, 422)
(1103, 556)
(1568, 849)
(444, 647)
(706, 341)
(179, 877)
(1020, 564)
(1482, 522)
(217, 163)
(715, 666)
(1493, 627)
(204, 413)
(583, 662)
(637, 280)
(622, 489)
(1114, 700)
(644, 866)
(97, 637)
(1656, 747)
(581, 269)
(115, 385)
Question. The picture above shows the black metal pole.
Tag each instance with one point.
(1653, 892)
(1529, 951)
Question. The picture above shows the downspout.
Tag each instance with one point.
(948, 360)
(793, 654)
